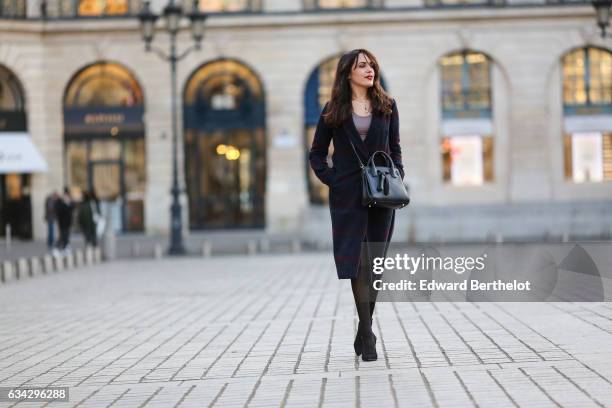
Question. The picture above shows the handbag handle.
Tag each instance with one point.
(389, 162)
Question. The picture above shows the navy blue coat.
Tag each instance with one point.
(348, 216)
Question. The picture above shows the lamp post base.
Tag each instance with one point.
(176, 234)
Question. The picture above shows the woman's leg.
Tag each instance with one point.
(361, 290)
(379, 226)
(365, 295)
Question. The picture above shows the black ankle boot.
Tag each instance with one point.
(358, 343)
(368, 348)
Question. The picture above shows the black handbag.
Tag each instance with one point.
(381, 186)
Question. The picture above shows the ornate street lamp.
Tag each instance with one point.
(173, 15)
(602, 8)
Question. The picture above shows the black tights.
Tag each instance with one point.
(379, 225)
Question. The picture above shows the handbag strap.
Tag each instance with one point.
(355, 151)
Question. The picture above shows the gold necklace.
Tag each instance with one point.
(365, 105)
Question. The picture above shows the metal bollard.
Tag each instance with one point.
(48, 264)
(158, 251)
(97, 255)
(136, 249)
(206, 248)
(264, 245)
(35, 266)
(251, 247)
(89, 255)
(296, 246)
(79, 258)
(23, 269)
(69, 260)
(7, 234)
(8, 272)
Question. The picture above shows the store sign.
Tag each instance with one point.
(104, 122)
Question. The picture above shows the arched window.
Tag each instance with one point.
(463, 3)
(587, 111)
(467, 141)
(104, 141)
(11, 92)
(15, 207)
(224, 6)
(103, 85)
(341, 4)
(225, 146)
(13, 8)
(92, 8)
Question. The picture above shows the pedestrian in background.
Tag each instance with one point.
(88, 213)
(361, 112)
(51, 218)
(64, 208)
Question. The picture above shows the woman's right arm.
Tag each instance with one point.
(319, 149)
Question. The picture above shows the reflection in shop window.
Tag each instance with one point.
(588, 157)
(467, 159)
(13, 186)
(226, 97)
(135, 181)
(76, 166)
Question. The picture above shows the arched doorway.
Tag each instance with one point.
(15, 202)
(225, 148)
(105, 141)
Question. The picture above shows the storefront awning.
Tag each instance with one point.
(19, 155)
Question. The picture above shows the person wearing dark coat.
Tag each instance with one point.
(362, 112)
(86, 217)
(63, 210)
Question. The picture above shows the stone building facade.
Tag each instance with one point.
(503, 133)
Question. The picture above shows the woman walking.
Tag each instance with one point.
(362, 112)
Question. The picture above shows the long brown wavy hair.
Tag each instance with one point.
(340, 106)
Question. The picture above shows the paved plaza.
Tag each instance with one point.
(277, 330)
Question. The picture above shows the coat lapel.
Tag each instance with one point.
(361, 145)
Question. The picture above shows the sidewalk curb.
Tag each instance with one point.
(25, 268)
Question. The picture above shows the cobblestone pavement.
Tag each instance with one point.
(277, 330)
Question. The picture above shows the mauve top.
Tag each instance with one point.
(362, 123)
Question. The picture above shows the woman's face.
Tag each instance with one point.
(362, 73)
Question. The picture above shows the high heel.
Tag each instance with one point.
(368, 350)
(358, 344)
